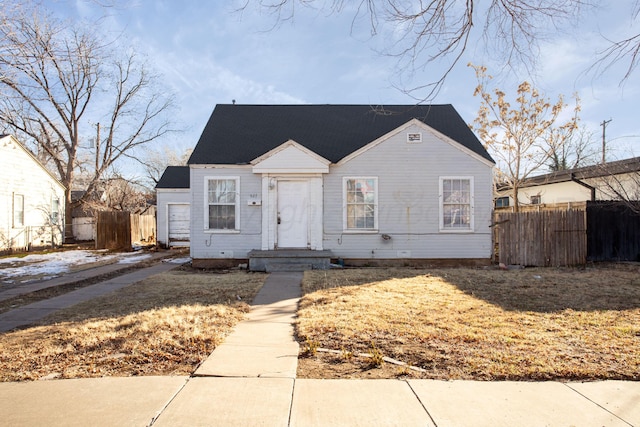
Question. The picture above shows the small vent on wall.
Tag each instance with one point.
(414, 138)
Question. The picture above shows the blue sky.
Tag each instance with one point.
(209, 54)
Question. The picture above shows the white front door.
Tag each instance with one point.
(293, 214)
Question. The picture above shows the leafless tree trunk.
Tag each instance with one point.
(56, 77)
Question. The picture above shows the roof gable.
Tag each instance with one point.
(290, 157)
(426, 128)
(238, 134)
(10, 140)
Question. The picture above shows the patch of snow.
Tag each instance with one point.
(133, 259)
(56, 263)
(178, 260)
(52, 267)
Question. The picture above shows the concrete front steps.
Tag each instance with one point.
(289, 260)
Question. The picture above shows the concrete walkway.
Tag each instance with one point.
(250, 381)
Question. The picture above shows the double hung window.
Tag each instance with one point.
(456, 204)
(18, 210)
(222, 203)
(55, 210)
(361, 203)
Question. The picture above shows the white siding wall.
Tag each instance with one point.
(408, 201)
(560, 192)
(563, 192)
(609, 188)
(205, 244)
(408, 198)
(21, 174)
(164, 198)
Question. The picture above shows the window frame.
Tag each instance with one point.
(345, 205)
(17, 221)
(535, 199)
(441, 205)
(500, 202)
(54, 218)
(236, 228)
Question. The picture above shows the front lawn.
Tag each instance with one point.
(165, 325)
(531, 324)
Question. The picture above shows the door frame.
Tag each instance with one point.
(270, 208)
(304, 211)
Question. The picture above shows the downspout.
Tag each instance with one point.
(584, 184)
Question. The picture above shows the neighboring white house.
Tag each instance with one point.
(618, 180)
(31, 200)
(173, 211)
(368, 185)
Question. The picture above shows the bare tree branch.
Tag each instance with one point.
(430, 31)
(625, 50)
(56, 77)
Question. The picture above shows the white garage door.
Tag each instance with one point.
(179, 217)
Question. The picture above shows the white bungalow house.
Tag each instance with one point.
(363, 185)
(617, 180)
(173, 207)
(31, 200)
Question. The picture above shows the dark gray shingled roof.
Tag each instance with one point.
(585, 172)
(237, 134)
(174, 177)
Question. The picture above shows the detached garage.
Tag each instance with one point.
(174, 217)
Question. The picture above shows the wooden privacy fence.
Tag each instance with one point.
(121, 230)
(542, 239)
(613, 232)
(143, 229)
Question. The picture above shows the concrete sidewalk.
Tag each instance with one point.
(219, 401)
(249, 380)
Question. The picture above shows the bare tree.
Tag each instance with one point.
(123, 194)
(56, 76)
(522, 138)
(579, 149)
(156, 161)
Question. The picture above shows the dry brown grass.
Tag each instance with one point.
(533, 324)
(166, 324)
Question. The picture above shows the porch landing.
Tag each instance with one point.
(289, 260)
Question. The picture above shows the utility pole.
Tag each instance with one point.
(97, 146)
(604, 127)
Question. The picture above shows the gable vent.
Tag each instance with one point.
(414, 138)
